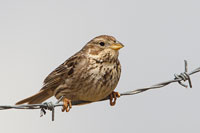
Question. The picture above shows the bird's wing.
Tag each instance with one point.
(64, 71)
(56, 78)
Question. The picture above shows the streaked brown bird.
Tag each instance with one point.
(90, 75)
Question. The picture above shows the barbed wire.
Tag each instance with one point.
(185, 76)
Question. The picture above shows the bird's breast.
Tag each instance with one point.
(102, 79)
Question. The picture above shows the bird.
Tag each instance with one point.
(91, 74)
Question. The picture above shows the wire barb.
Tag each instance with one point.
(185, 76)
(47, 106)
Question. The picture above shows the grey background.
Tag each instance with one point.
(37, 36)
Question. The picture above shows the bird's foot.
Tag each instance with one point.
(113, 98)
(67, 105)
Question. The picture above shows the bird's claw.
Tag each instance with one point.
(67, 105)
(113, 98)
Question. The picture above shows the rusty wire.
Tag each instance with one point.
(185, 76)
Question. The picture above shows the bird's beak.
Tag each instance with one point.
(116, 46)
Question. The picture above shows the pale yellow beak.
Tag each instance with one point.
(116, 46)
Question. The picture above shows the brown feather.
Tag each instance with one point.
(37, 98)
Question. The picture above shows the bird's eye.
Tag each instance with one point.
(102, 43)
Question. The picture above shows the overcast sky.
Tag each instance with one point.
(38, 35)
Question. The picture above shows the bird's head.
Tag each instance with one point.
(103, 48)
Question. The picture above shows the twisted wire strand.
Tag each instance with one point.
(185, 76)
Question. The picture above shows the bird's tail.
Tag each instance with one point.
(41, 96)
